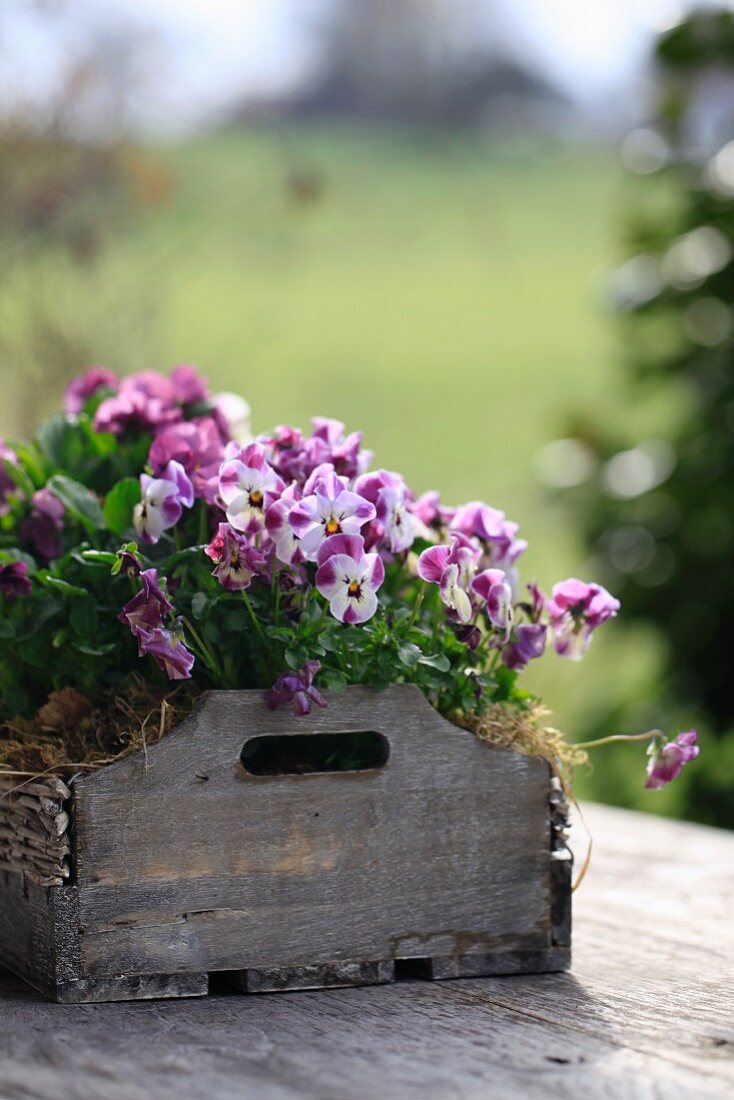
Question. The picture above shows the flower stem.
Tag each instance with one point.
(255, 621)
(417, 607)
(618, 737)
(209, 659)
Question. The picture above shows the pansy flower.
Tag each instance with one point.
(197, 445)
(44, 527)
(296, 688)
(491, 585)
(527, 644)
(188, 384)
(248, 485)
(147, 608)
(233, 416)
(395, 525)
(168, 650)
(147, 401)
(667, 758)
(87, 385)
(452, 568)
(497, 534)
(329, 444)
(576, 609)
(286, 542)
(330, 510)
(163, 501)
(349, 578)
(236, 561)
(14, 580)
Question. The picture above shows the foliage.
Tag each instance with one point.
(659, 516)
(326, 573)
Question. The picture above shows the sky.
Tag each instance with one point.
(205, 53)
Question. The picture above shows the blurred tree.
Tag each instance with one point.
(659, 516)
(70, 180)
(441, 62)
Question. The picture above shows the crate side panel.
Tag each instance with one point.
(444, 851)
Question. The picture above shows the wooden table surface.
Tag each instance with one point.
(647, 1010)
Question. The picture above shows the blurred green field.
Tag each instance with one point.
(442, 295)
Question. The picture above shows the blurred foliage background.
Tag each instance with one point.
(429, 242)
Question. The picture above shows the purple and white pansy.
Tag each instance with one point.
(576, 610)
(349, 578)
(331, 509)
(247, 486)
(162, 502)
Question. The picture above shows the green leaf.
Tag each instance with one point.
(95, 650)
(97, 557)
(7, 630)
(199, 605)
(409, 654)
(440, 662)
(52, 438)
(331, 680)
(119, 504)
(78, 500)
(63, 586)
(19, 477)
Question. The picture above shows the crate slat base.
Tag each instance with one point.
(327, 976)
(442, 967)
(144, 987)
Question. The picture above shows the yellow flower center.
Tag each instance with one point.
(333, 527)
(354, 589)
(256, 498)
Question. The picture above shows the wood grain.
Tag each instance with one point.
(646, 1014)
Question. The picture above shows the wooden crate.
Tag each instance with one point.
(446, 859)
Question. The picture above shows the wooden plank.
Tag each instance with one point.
(646, 1013)
(443, 851)
(332, 976)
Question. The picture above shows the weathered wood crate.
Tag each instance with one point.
(445, 858)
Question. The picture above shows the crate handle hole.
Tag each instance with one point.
(305, 753)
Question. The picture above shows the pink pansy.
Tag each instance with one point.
(44, 527)
(147, 608)
(349, 578)
(236, 561)
(7, 485)
(427, 516)
(491, 585)
(330, 510)
(667, 759)
(188, 384)
(86, 385)
(146, 401)
(286, 453)
(328, 444)
(576, 609)
(490, 526)
(452, 568)
(197, 445)
(285, 540)
(248, 485)
(163, 501)
(168, 650)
